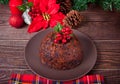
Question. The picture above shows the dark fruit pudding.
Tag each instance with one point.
(60, 56)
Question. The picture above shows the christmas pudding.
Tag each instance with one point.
(59, 53)
(59, 49)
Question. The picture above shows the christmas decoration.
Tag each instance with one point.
(65, 5)
(47, 15)
(81, 4)
(110, 4)
(26, 9)
(4, 1)
(63, 34)
(105, 4)
(25, 6)
(73, 19)
(26, 16)
(16, 21)
(34, 12)
(13, 4)
(41, 14)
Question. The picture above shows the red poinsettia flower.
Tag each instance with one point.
(49, 15)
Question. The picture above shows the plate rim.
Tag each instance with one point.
(28, 65)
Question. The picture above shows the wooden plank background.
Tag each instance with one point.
(102, 27)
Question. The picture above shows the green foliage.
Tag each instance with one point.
(4, 1)
(81, 4)
(110, 4)
(105, 4)
(116, 4)
(23, 7)
(58, 27)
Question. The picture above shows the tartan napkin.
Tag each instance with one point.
(35, 79)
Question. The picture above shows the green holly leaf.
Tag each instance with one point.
(23, 7)
(58, 27)
(29, 4)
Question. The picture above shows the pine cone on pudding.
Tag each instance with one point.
(73, 19)
(65, 5)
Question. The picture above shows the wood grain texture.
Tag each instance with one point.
(102, 27)
(110, 76)
(12, 55)
(95, 30)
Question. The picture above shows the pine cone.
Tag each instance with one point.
(65, 5)
(73, 19)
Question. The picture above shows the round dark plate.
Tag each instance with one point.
(33, 59)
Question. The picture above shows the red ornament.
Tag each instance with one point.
(16, 21)
(13, 4)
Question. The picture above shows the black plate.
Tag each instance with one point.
(33, 59)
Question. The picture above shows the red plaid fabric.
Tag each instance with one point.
(35, 79)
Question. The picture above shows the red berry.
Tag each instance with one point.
(64, 41)
(68, 37)
(67, 33)
(65, 36)
(58, 35)
(55, 41)
(67, 29)
(63, 30)
(59, 38)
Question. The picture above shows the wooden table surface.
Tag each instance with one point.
(102, 27)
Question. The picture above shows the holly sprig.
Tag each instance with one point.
(63, 34)
(24, 6)
(58, 27)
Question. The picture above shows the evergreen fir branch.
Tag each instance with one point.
(91, 1)
(110, 4)
(106, 4)
(116, 4)
(81, 4)
(4, 1)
